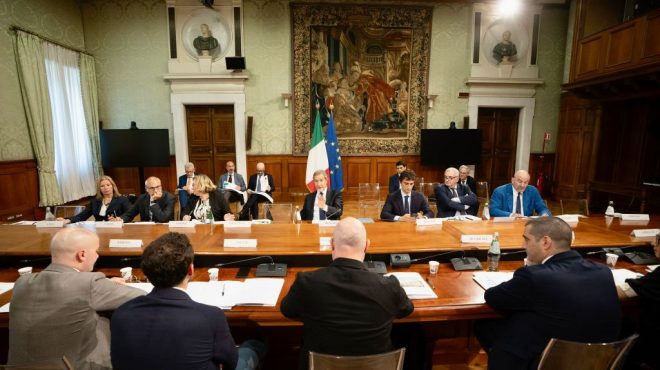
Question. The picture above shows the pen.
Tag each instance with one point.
(223, 290)
(430, 283)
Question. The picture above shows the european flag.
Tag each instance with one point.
(334, 157)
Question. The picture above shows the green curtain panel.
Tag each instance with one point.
(91, 107)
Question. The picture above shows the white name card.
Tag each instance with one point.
(570, 218)
(325, 241)
(645, 233)
(108, 225)
(181, 224)
(125, 243)
(476, 239)
(328, 223)
(262, 221)
(240, 243)
(504, 219)
(635, 217)
(238, 224)
(40, 224)
(428, 221)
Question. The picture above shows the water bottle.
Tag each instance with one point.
(494, 253)
(610, 209)
(49, 215)
(209, 216)
(296, 217)
(486, 212)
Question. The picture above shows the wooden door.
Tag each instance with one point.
(498, 149)
(210, 138)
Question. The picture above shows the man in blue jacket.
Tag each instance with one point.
(517, 199)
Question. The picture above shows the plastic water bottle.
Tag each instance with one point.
(494, 253)
(610, 209)
(209, 217)
(49, 215)
(486, 212)
(296, 217)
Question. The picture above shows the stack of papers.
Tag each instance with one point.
(489, 279)
(650, 268)
(414, 285)
(620, 276)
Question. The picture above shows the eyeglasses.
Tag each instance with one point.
(450, 177)
(154, 187)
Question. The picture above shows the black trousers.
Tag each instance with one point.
(486, 332)
(252, 206)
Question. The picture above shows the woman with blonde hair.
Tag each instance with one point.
(206, 196)
(107, 205)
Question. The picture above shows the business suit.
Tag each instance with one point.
(501, 203)
(470, 182)
(346, 310)
(567, 298)
(648, 289)
(237, 179)
(252, 204)
(161, 211)
(218, 204)
(394, 206)
(167, 330)
(333, 199)
(447, 207)
(118, 206)
(395, 184)
(56, 312)
(183, 194)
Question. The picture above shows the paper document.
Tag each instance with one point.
(5, 308)
(620, 276)
(414, 285)
(489, 279)
(24, 223)
(5, 287)
(264, 194)
(650, 268)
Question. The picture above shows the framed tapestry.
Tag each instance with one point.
(368, 64)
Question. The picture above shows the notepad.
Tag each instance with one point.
(414, 285)
(489, 279)
(620, 276)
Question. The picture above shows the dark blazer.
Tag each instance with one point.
(332, 198)
(471, 183)
(183, 195)
(167, 330)
(567, 297)
(648, 290)
(395, 184)
(162, 210)
(394, 206)
(501, 203)
(252, 184)
(118, 206)
(218, 203)
(237, 178)
(447, 207)
(345, 309)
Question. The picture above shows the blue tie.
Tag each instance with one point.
(518, 205)
(407, 204)
(258, 182)
(321, 212)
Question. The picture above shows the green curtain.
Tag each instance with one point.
(34, 90)
(91, 107)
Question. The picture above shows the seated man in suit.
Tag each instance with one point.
(394, 179)
(327, 299)
(518, 199)
(166, 329)
(56, 312)
(560, 295)
(156, 205)
(466, 179)
(406, 204)
(260, 182)
(184, 188)
(323, 204)
(232, 180)
(454, 199)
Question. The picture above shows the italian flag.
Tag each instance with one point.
(317, 159)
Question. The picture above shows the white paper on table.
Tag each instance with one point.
(24, 223)
(414, 285)
(5, 287)
(5, 308)
(489, 279)
(620, 276)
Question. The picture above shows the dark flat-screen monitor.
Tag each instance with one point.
(237, 63)
(451, 147)
(135, 148)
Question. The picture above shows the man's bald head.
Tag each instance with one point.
(350, 239)
(520, 180)
(75, 247)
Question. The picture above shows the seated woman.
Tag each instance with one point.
(107, 205)
(206, 196)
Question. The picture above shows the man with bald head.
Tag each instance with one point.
(156, 205)
(56, 312)
(260, 182)
(517, 199)
(346, 310)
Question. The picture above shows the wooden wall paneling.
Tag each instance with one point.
(19, 191)
(588, 62)
(620, 46)
(128, 181)
(358, 170)
(384, 169)
(651, 40)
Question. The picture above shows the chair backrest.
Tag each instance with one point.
(574, 206)
(54, 364)
(368, 191)
(483, 192)
(278, 213)
(383, 361)
(68, 211)
(565, 355)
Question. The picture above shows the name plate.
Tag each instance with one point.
(428, 221)
(324, 241)
(240, 243)
(238, 224)
(635, 217)
(263, 221)
(125, 243)
(476, 239)
(108, 224)
(40, 224)
(504, 219)
(645, 233)
(328, 223)
(570, 218)
(181, 224)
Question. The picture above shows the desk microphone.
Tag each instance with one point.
(29, 261)
(511, 253)
(271, 269)
(462, 263)
(610, 250)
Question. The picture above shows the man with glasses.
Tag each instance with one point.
(185, 184)
(464, 178)
(406, 204)
(156, 205)
(260, 184)
(453, 198)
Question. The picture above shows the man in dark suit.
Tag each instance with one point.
(517, 199)
(466, 179)
(454, 199)
(232, 180)
(394, 179)
(346, 310)
(166, 329)
(560, 295)
(323, 204)
(260, 182)
(156, 205)
(184, 188)
(406, 204)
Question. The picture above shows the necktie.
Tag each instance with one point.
(407, 204)
(322, 215)
(518, 205)
(259, 183)
(231, 178)
(453, 192)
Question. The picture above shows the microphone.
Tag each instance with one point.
(610, 250)
(511, 253)
(437, 255)
(127, 259)
(30, 260)
(244, 260)
(377, 267)
(271, 269)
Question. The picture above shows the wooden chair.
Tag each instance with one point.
(383, 361)
(574, 206)
(54, 364)
(567, 355)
